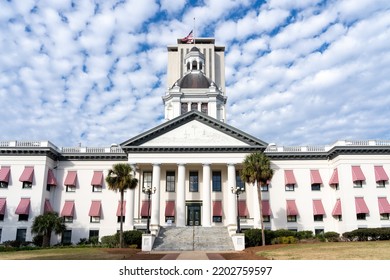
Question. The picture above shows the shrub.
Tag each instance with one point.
(110, 241)
(332, 236)
(305, 234)
(132, 237)
(367, 234)
(38, 240)
(253, 237)
(284, 240)
(284, 233)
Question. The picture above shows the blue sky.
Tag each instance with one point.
(301, 72)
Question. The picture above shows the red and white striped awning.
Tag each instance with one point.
(291, 208)
(380, 174)
(361, 206)
(357, 174)
(334, 180)
(337, 208)
(97, 179)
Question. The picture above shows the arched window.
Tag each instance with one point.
(188, 66)
(200, 66)
(194, 65)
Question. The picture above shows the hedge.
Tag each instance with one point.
(130, 237)
(367, 234)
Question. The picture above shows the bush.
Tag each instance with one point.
(305, 234)
(132, 237)
(367, 234)
(38, 240)
(253, 237)
(332, 236)
(284, 240)
(284, 233)
(110, 241)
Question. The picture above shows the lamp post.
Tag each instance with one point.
(237, 191)
(149, 191)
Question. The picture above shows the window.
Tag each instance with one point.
(27, 185)
(119, 219)
(48, 187)
(23, 217)
(358, 184)
(336, 186)
(147, 179)
(385, 216)
(93, 233)
(1, 217)
(70, 188)
(68, 219)
(361, 216)
(318, 218)
(97, 188)
(291, 218)
(381, 184)
(170, 219)
(290, 187)
(264, 188)
(66, 237)
(94, 219)
(3, 185)
(184, 108)
(194, 182)
(0, 234)
(217, 184)
(315, 187)
(339, 218)
(194, 106)
(204, 108)
(239, 183)
(217, 219)
(267, 219)
(21, 234)
(170, 180)
(318, 231)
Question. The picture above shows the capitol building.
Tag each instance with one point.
(193, 160)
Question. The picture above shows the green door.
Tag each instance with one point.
(193, 215)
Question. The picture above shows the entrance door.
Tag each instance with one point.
(193, 215)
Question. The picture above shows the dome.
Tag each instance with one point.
(194, 49)
(194, 80)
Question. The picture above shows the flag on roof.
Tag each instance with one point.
(189, 38)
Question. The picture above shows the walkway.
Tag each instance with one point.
(190, 255)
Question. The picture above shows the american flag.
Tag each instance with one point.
(189, 38)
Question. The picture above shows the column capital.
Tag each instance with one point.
(231, 164)
(157, 164)
(206, 164)
(181, 164)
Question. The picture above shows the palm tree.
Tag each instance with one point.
(257, 171)
(120, 178)
(47, 223)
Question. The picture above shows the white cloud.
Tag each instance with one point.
(297, 72)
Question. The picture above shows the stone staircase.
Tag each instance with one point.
(193, 239)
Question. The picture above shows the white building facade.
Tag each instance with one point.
(193, 161)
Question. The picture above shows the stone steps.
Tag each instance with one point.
(193, 239)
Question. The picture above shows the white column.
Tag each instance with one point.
(181, 196)
(155, 216)
(256, 208)
(129, 214)
(232, 204)
(130, 202)
(206, 217)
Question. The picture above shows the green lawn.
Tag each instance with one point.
(369, 250)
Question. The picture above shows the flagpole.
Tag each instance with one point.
(194, 31)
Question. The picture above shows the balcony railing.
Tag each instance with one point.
(326, 148)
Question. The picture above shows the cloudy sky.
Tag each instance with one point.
(94, 72)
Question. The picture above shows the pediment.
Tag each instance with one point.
(193, 131)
